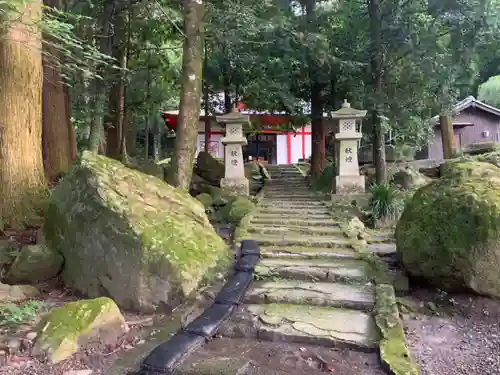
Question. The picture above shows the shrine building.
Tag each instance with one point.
(270, 144)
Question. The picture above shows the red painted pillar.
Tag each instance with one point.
(289, 148)
(303, 142)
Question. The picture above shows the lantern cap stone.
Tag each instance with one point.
(233, 117)
(347, 112)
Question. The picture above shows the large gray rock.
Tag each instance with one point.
(130, 236)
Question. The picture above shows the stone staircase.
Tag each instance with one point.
(311, 286)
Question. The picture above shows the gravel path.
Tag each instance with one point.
(454, 335)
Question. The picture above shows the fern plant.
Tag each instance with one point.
(386, 202)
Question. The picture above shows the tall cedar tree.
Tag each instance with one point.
(189, 113)
(22, 180)
(59, 143)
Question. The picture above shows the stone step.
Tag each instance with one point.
(295, 229)
(292, 193)
(295, 198)
(325, 326)
(382, 248)
(289, 216)
(278, 202)
(297, 211)
(297, 240)
(320, 269)
(357, 297)
(298, 252)
(288, 188)
(278, 220)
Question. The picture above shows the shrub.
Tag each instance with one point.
(386, 202)
(236, 210)
(324, 182)
(205, 199)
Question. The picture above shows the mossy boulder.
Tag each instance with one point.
(130, 236)
(449, 232)
(464, 167)
(237, 210)
(35, 263)
(409, 179)
(209, 168)
(62, 332)
(205, 199)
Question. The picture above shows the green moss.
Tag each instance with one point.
(205, 199)
(393, 350)
(134, 224)
(62, 329)
(237, 209)
(451, 225)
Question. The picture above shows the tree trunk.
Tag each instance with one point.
(23, 187)
(116, 102)
(130, 132)
(447, 135)
(318, 151)
(317, 136)
(189, 114)
(97, 141)
(377, 91)
(206, 99)
(72, 133)
(59, 146)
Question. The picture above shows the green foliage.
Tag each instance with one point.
(205, 199)
(385, 202)
(236, 210)
(489, 91)
(324, 182)
(26, 312)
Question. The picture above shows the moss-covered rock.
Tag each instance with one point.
(130, 236)
(409, 179)
(465, 168)
(237, 210)
(35, 263)
(209, 169)
(63, 331)
(449, 232)
(205, 199)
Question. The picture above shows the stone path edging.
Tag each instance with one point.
(393, 351)
(166, 357)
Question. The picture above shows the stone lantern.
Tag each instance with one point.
(234, 181)
(348, 179)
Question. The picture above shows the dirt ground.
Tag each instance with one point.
(291, 359)
(454, 334)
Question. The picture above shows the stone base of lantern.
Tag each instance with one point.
(235, 186)
(349, 185)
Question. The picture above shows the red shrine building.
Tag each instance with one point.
(269, 145)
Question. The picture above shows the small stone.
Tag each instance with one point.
(79, 372)
(26, 345)
(3, 357)
(31, 335)
(14, 344)
(15, 293)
